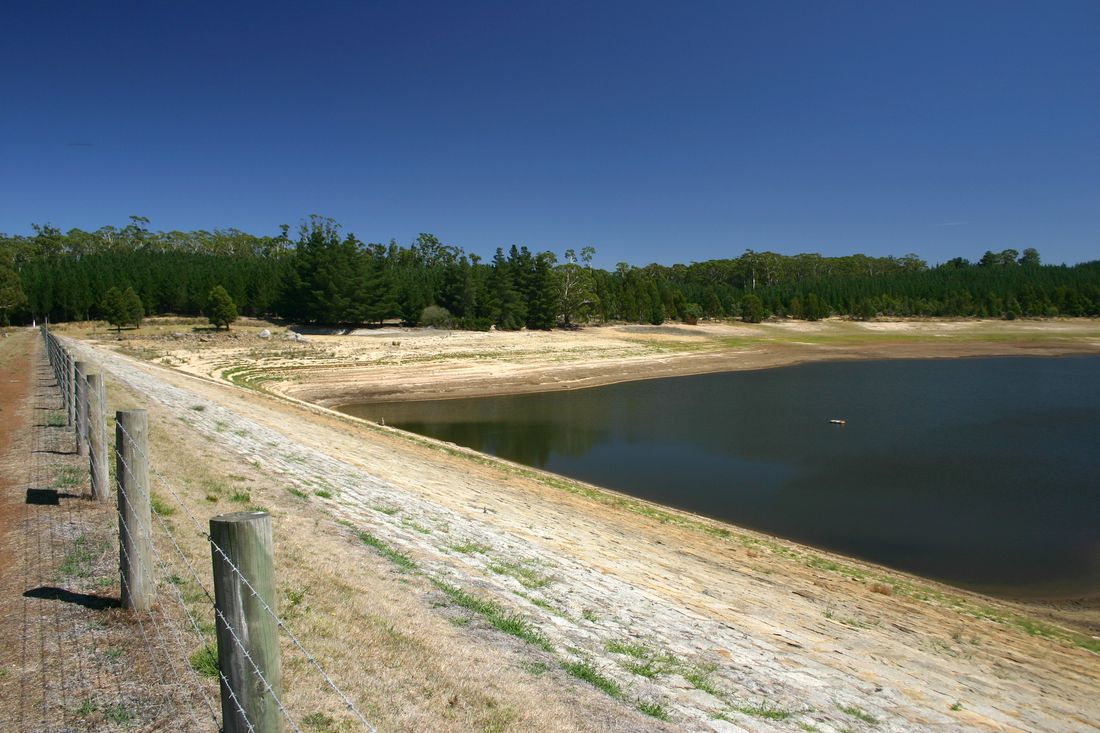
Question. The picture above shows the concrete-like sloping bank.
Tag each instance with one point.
(718, 628)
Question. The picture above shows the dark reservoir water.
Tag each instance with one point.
(984, 473)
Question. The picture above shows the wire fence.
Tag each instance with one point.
(68, 659)
(169, 620)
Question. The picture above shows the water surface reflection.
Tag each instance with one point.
(981, 472)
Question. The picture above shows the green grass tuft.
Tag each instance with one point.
(160, 506)
(656, 709)
(585, 670)
(766, 712)
(406, 522)
(638, 651)
(402, 560)
(700, 679)
(646, 668)
(858, 713)
(470, 548)
(205, 661)
(527, 576)
(498, 616)
(118, 714)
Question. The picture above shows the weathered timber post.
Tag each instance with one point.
(70, 387)
(135, 519)
(97, 437)
(80, 369)
(242, 548)
(48, 340)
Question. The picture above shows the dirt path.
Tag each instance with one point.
(714, 627)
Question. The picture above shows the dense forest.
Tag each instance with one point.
(323, 276)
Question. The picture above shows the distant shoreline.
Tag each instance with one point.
(586, 376)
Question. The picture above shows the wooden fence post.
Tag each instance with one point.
(97, 437)
(135, 519)
(70, 387)
(245, 628)
(80, 369)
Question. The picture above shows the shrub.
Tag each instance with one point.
(436, 316)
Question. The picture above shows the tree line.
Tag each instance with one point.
(326, 277)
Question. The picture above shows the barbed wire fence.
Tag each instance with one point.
(248, 628)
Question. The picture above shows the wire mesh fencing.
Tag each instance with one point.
(155, 569)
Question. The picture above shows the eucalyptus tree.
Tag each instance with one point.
(576, 288)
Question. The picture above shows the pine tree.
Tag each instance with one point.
(542, 298)
(223, 310)
(11, 293)
(132, 305)
(507, 307)
(114, 310)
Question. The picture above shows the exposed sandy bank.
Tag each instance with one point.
(407, 364)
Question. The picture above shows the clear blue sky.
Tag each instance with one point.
(667, 132)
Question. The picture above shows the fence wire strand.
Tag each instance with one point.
(59, 355)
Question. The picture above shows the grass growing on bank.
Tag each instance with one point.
(858, 714)
(590, 673)
(399, 559)
(496, 615)
(654, 709)
(527, 576)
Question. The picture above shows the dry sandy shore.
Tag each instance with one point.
(403, 364)
(722, 628)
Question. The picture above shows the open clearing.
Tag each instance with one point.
(401, 560)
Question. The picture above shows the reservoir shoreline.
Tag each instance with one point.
(775, 622)
(320, 387)
(841, 490)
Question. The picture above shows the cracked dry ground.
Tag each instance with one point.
(669, 621)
